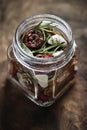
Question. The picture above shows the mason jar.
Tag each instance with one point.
(43, 80)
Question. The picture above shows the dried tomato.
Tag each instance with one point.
(47, 55)
(33, 40)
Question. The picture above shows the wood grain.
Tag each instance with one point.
(17, 112)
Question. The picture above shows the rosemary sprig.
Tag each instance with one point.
(49, 50)
(37, 26)
(45, 24)
(44, 35)
(59, 45)
(46, 30)
(43, 46)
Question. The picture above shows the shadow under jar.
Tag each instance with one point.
(43, 80)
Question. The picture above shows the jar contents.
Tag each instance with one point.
(43, 41)
(43, 83)
(44, 87)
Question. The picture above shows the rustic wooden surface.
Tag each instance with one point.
(16, 111)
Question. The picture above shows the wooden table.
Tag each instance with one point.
(17, 112)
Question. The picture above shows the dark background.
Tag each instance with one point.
(16, 111)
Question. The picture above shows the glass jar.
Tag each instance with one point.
(43, 80)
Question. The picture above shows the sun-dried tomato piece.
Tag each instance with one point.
(33, 40)
(47, 55)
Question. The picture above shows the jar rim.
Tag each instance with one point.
(37, 59)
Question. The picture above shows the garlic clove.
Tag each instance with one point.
(42, 80)
(45, 23)
(58, 53)
(56, 39)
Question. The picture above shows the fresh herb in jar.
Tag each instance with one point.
(43, 41)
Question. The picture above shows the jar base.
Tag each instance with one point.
(46, 103)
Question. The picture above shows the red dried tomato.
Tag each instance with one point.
(47, 55)
(33, 40)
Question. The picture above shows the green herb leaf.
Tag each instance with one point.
(45, 23)
(46, 30)
(44, 36)
(37, 26)
(50, 47)
(59, 45)
(26, 49)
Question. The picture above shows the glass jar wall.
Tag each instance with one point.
(43, 79)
